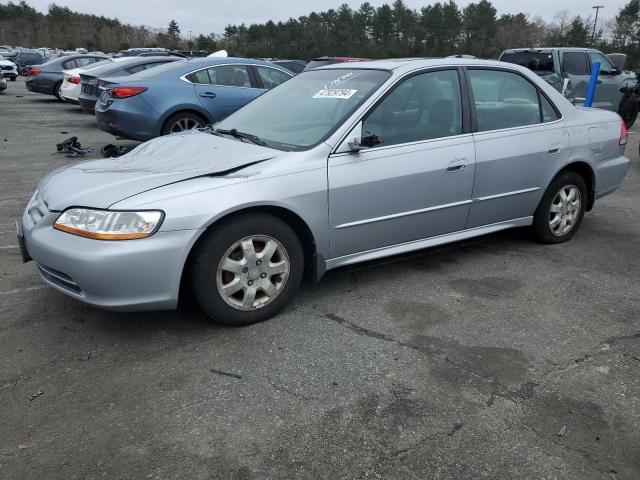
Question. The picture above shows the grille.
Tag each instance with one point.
(6, 67)
(58, 278)
(37, 209)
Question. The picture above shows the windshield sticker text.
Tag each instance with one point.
(344, 93)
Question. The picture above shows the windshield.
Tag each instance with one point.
(303, 111)
(536, 61)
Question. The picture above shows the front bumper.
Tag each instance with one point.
(126, 275)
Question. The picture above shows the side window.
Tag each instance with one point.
(605, 65)
(201, 76)
(70, 64)
(271, 77)
(503, 100)
(549, 114)
(81, 62)
(230, 76)
(422, 107)
(575, 63)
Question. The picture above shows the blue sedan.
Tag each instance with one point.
(182, 95)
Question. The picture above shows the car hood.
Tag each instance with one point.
(7, 62)
(164, 160)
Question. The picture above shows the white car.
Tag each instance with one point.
(8, 69)
(70, 89)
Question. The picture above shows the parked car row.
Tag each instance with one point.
(345, 163)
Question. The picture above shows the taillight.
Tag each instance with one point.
(74, 80)
(126, 92)
(34, 72)
(624, 134)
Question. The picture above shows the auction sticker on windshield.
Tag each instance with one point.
(336, 93)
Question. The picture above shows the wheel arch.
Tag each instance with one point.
(314, 267)
(181, 109)
(585, 170)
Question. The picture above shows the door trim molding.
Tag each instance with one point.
(401, 214)
(506, 194)
(426, 243)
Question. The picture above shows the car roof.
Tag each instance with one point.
(126, 62)
(408, 64)
(548, 49)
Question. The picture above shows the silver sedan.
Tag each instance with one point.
(339, 165)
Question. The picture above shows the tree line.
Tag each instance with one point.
(391, 30)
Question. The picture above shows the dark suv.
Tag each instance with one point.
(568, 70)
(27, 58)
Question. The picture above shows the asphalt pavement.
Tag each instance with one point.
(491, 358)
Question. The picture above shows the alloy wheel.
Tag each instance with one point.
(184, 124)
(252, 272)
(565, 210)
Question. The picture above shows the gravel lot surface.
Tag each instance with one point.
(497, 357)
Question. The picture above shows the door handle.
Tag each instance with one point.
(598, 81)
(457, 165)
(553, 150)
(208, 95)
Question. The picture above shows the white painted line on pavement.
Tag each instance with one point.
(22, 290)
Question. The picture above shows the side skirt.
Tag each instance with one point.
(426, 243)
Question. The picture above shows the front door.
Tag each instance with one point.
(417, 181)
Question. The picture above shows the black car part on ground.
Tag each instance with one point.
(112, 151)
(71, 146)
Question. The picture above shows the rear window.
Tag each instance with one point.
(153, 72)
(575, 63)
(91, 66)
(318, 63)
(535, 61)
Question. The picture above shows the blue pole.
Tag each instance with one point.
(593, 81)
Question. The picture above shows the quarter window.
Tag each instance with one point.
(575, 63)
(503, 100)
(423, 107)
(549, 113)
(271, 77)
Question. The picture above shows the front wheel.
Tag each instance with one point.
(13, 78)
(561, 209)
(246, 269)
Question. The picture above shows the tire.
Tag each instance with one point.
(547, 223)
(13, 79)
(628, 110)
(56, 91)
(225, 244)
(187, 119)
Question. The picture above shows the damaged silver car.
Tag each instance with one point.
(343, 164)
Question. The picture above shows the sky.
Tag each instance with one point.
(207, 16)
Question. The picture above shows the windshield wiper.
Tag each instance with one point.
(235, 133)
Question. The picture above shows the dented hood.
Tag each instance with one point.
(101, 183)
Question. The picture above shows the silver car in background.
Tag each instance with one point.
(343, 164)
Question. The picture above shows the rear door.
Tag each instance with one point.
(520, 142)
(222, 89)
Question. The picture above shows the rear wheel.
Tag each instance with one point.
(56, 91)
(561, 210)
(246, 269)
(183, 121)
(13, 78)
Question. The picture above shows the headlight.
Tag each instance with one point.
(107, 224)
